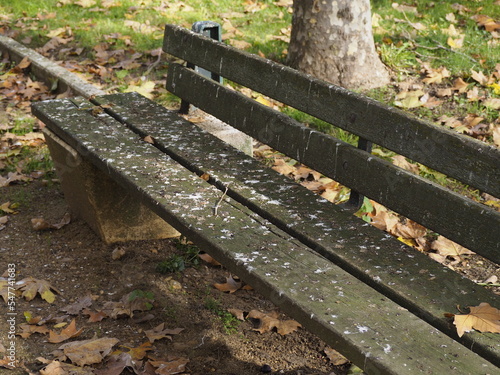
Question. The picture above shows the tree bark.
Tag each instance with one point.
(333, 40)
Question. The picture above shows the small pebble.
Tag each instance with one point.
(266, 369)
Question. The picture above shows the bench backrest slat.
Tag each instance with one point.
(468, 160)
(414, 197)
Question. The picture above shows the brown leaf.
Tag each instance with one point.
(267, 322)
(61, 368)
(459, 85)
(159, 333)
(96, 316)
(409, 229)
(237, 313)
(231, 285)
(88, 352)
(479, 77)
(149, 139)
(67, 333)
(335, 357)
(483, 318)
(140, 352)
(175, 365)
(487, 22)
(30, 287)
(446, 247)
(207, 258)
(282, 167)
(12, 177)
(401, 162)
(76, 307)
(42, 224)
(29, 329)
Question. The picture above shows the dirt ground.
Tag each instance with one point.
(75, 262)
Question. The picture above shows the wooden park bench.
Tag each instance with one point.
(379, 302)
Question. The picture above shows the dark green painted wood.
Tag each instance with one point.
(472, 162)
(372, 330)
(427, 203)
(419, 284)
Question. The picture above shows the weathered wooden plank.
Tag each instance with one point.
(419, 284)
(472, 162)
(375, 332)
(427, 203)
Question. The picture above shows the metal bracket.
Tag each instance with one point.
(355, 198)
(212, 30)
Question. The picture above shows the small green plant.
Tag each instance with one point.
(140, 294)
(179, 262)
(229, 322)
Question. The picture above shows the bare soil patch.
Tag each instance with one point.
(77, 263)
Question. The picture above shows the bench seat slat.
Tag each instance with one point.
(468, 160)
(348, 314)
(369, 254)
(429, 204)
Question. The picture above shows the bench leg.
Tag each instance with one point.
(93, 196)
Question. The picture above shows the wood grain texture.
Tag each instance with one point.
(423, 201)
(369, 328)
(468, 160)
(399, 272)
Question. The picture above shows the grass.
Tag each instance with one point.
(229, 322)
(187, 257)
(407, 34)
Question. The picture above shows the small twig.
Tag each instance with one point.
(153, 65)
(216, 207)
(202, 342)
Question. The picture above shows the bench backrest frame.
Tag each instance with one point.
(432, 205)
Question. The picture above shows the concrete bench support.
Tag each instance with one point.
(93, 196)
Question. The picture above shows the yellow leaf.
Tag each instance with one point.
(455, 43)
(263, 101)
(483, 318)
(56, 32)
(495, 87)
(145, 89)
(48, 296)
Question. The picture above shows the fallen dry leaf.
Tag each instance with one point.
(237, 313)
(61, 368)
(28, 329)
(401, 162)
(137, 353)
(96, 316)
(231, 285)
(30, 287)
(76, 307)
(335, 357)
(207, 258)
(483, 318)
(67, 333)
(267, 322)
(448, 248)
(88, 352)
(159, 332)
(42, 224)
(174, 365)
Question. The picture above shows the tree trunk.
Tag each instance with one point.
(333, 41)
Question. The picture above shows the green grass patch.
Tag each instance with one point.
(229, 322)
(187, 257)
